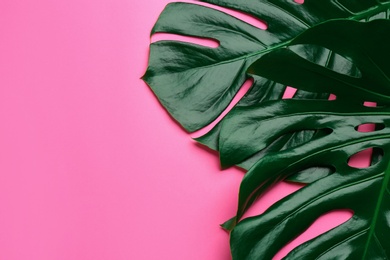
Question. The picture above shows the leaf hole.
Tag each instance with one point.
(206, 42)
(323, 132)
(369, 127)
(377, 155)
(321, 225)
(362, 159)
(249, 19)
(369, 104)
(332, 97)
(373, 104)
(271, 196)
(289, 92)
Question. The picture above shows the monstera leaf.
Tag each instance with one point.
(366, 192)
(306, 139)
(196, 83)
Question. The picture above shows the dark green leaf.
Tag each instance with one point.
(305, 139)
(364, 191)
(197, 83)
(365, 236)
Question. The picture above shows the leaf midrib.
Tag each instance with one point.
(370, 12)
(357, 234)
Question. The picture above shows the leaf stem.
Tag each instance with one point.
(383, 191)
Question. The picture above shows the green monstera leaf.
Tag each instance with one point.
(318, 48)
(196, 83)
(366, 192)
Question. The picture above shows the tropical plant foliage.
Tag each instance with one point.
(364, 191)
(306, 139)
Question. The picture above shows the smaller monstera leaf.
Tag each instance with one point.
(363, 191)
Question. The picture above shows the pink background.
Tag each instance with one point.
(91, 166)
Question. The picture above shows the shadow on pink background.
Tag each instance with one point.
(91, 166)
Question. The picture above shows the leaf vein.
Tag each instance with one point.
(327, 193)
(380, 245)
(343, 241)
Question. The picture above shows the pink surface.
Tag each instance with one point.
(91, 166)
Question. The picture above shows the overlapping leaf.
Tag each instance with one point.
(196, 83)
(281, 138)
(364, 191)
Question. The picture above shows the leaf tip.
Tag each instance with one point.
(229, 225)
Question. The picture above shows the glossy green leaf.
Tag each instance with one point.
(364, 191)
(365, 236)
(306, 139)
(196, 83)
